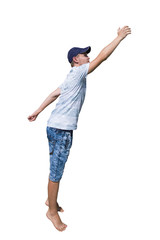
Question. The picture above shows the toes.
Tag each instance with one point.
(55, 219)
(63, 227)
(60, 209)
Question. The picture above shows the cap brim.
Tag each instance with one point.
(86, 50)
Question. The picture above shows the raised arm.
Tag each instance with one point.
(107, 51)
(51, 98)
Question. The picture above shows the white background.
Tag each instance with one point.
(110, 187)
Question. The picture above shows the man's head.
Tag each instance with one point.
(78, 56)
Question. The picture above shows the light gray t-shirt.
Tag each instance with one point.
(73, 90)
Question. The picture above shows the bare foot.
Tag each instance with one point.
(58, 207)
(55, 219)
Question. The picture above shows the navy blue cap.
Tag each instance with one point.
(73, 52)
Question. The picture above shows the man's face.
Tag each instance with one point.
(82, 58)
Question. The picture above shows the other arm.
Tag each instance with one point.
(107, 51)
(51, 98)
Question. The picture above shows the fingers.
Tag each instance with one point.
(31, 118)
(126, 30)
(123, 32)
(125, 27)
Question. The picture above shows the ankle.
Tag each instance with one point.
(52, 211)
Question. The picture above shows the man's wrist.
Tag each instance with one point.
(38, 111)
(119, 38)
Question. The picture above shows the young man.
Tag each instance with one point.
(64, 117)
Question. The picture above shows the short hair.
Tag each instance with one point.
(72, 63)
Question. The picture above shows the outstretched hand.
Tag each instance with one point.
(123, 32)
(33, 117)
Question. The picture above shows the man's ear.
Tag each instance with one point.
(75, 59)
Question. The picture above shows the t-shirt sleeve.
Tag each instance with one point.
(61, 86)
(84, 70)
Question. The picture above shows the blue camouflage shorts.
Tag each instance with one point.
(60, 142)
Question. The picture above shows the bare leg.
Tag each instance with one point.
(52, 213)
(60, 209)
